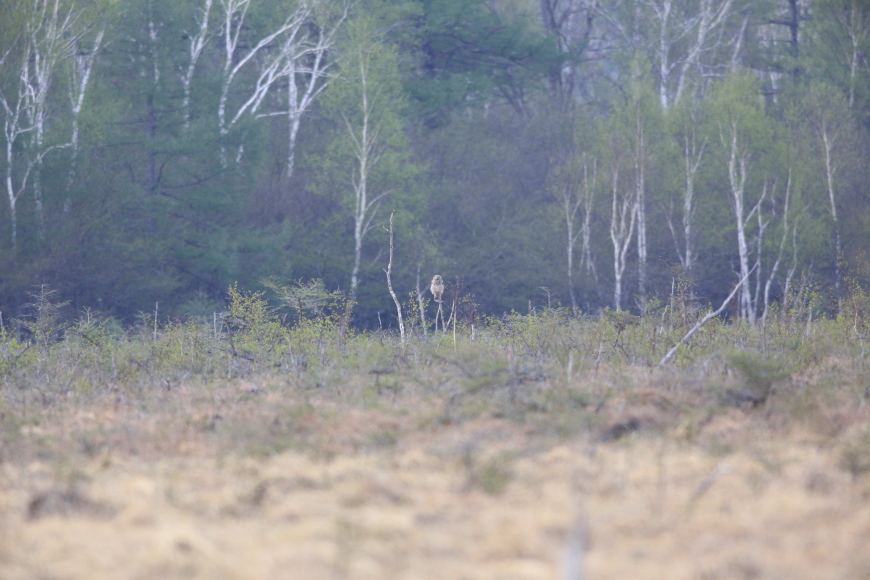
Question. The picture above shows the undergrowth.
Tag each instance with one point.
(558, 373)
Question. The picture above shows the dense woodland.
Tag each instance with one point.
(535, 153)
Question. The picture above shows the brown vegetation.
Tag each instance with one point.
(546, 445)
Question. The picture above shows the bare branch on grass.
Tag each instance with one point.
(705, 320)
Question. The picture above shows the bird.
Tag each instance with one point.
(437, 288)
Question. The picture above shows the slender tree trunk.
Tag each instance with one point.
(389, 272)
(367, 151)
(149, 103)
(692, 161)
(572, 201)
(663, 12)
(420, 303)
(570, 260)
(295, 117)
(37, 200)
(692, 156)
(759, 248)
(361, 189)
(357, 254)
(198, 40)
(152, 144)
(782, 242)
(45, 42)
(640, 200)
(857, 33)
(622, 222)
(274, 55)
(83, 64)
(737, 180)
(10, 193)
(586, 231)
(828, 141)
(13, 129)
(313, 84)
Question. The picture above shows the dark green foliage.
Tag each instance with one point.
(481, 111)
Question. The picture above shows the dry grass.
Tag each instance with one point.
(546, 448)
(453, 475)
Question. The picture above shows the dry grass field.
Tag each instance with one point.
(540, 450)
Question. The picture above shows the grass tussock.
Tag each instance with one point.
(239, 446)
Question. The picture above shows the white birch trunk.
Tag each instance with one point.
(14, 128)
(572, 238)
(856, 27)
(673, 63)
(828, 141)
(420, 304)
(389, 271)
(692, 156)
(623, 217)
(272, 65)
(367, 152)
(737, 171)
(785, 233)
(853, 65)
(663, 12)
(738, 44)
(571, 202)
(46, 41)
(640, 202)
(313, 79)
(47, 30)
(11, 194)
(198, 41)
(586, 231)
(759, 247)
(149, 103)
(80, 74)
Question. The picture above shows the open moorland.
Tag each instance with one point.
(529, 447)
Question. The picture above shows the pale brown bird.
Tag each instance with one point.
(437, 288)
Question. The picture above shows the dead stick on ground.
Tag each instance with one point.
(704, 321)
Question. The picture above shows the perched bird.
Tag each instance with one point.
(437, 288)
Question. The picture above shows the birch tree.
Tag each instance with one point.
(623, 217)
(839, 38)
(367, 99)
(85, 51)
(683, 40)
(744, 133)
(574, 190)
(571, 23)
(308, 72)
(682, 35)
(636, 125)
(826, 114)
(789, 232)
(647, 129)
(34, 56)
(616, 150)
(269, 56)
(687, 125)
(197, 40)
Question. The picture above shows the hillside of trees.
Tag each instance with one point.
(535, 153)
